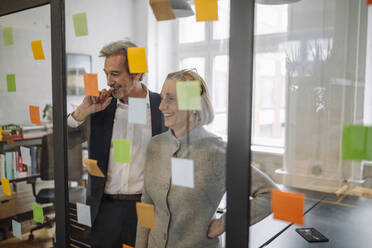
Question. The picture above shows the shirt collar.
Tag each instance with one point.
(195, 134)
(123, 105)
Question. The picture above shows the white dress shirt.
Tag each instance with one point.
(123, 178)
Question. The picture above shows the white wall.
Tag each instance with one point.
(108, 21)
(33, 77)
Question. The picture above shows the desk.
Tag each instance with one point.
(262, 231)
(345, 222)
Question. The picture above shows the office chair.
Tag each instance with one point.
(75, 170)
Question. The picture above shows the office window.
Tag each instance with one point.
(194, 62)
(189, 26)
(207, 50)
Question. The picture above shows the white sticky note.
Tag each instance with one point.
(26, 157)
(183, 172)
(83, 214)
(137, 110)
(17, 229)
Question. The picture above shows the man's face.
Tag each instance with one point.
(117, 76)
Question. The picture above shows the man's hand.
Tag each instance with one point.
(92, 104)
(215, 228)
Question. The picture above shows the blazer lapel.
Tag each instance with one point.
(107, 130)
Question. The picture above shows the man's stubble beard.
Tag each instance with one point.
(122, 92)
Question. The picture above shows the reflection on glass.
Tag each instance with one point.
(268, 98)
(271, 19)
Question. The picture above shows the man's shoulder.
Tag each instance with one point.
(154, 96)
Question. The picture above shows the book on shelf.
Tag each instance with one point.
(15, 131)
(12, 167)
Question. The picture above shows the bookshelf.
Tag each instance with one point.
(26, 142)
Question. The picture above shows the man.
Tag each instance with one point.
(113, 199)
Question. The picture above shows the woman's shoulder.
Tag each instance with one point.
(160, 139)
(212, 142)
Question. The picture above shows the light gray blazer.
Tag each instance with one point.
(183, 214)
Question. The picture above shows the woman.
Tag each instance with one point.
(184, 216)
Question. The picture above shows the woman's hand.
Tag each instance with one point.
(215, 228)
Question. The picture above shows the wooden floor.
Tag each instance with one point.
(43, 239)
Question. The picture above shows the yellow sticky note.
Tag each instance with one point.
(162, 10)
(146, 215)
(35, 114)
(37, 50)
(206, 10)
(6, 186)
(137, 59)
(92, 167)
(91, 84)
(288, 206)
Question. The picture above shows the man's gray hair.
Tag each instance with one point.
(206, 114)
(118, 47)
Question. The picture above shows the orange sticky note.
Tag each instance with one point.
(35, 114)
(91, 84)
(206, 10)
(127, 246)
(37, 50)
(146, 215)
(137, 59)
(6, 186)
(288, 206)
(92, 167)
(369, 2)
(162, 10)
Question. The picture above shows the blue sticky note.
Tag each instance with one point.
(17, 229)
(137, 110)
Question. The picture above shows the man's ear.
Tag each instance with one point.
(137, 77)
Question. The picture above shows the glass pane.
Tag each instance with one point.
(190, 30)
(220, 79)
(271, 19)
(269, 99)
(196, 62)
(172, 180)
(25, 117)
(312, 92)
(221, 28)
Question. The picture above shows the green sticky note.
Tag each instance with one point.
(8, 36)
(121, 150)
(188, 95)
(38, 213)
(10, 82)
(357, 142)
(80, 24)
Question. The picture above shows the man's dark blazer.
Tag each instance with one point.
(101, 125)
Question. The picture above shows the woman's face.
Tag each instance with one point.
(174, 118)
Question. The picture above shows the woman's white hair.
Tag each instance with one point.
(206, 114)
